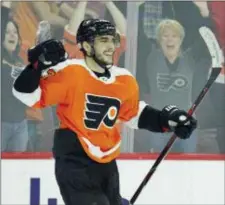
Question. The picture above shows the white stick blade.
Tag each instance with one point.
(213, 46)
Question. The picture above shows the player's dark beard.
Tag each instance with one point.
(100, 61)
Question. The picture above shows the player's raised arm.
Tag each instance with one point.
(47, 58)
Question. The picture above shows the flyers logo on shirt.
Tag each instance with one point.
(100, 110)
(166, 82)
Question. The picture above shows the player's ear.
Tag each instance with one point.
(87, 47)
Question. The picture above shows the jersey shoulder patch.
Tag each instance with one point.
(61, 66)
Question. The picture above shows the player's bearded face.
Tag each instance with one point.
(170, 42)
(104, 47)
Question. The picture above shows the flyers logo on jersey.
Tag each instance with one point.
(100, 110)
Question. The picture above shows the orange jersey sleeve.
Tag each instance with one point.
(129, 108)
(52, 89)
(54, 86)
(132, 108)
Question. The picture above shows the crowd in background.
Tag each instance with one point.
(173, 64)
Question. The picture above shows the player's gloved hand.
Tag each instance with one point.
(47, 54)
(174, 119)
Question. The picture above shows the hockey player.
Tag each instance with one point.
(91, 94)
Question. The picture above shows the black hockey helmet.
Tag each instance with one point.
(91, 28)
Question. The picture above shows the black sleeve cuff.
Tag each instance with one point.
(28, 80)
(150, 119)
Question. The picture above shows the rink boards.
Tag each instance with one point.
(180, 179)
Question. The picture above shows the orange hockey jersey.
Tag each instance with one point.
(88, 105)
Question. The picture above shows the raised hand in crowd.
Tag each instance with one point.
(203, 7)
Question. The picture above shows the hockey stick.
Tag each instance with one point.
(215, 53)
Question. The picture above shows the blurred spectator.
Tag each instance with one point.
(29, 14)
(217, 93)
(7, 9)
(14, 124)
(52, 11)
(65, 17)
(78, 15)
(190, 14)
(217, 12)
(169, 72)
(94, 9)
(26, 19)
(57, 13)
(33, 116)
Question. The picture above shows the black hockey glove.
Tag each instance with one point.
(173, 119)
(47, 54)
